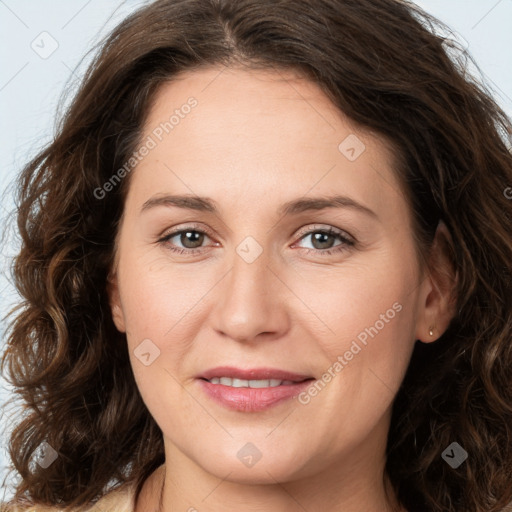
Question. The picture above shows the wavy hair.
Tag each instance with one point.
(386, 65)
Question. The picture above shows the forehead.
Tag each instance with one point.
(266, 132)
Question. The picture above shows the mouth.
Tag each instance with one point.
(253, 383)
(254, 375)
(251, 390)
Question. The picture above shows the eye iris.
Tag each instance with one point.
(195, 238)
(321, 238)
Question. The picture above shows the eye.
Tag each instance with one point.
(322, 241)
(191, 238)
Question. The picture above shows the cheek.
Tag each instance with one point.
(359, 302)
(158, 319)
(163, 305)
(386, 343)
(155, 293)
(365, 358)
(368, 324)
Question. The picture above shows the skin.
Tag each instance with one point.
(256, 140)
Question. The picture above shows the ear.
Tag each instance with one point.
(437, 298)
(115, 301)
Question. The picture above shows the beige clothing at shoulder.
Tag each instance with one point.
(118, 500)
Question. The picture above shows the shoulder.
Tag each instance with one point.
(117, 500)
(121, 499)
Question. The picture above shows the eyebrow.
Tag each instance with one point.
(294, 207)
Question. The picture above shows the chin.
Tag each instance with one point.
(246, 464)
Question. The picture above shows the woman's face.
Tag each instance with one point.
(244, 274)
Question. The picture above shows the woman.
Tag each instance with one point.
(180, 338)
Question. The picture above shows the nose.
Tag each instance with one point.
(250, 303)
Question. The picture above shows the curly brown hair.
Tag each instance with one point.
(386, 66)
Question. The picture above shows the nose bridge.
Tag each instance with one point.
(250, 276)
(249, 298)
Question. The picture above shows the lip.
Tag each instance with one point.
(252, 399)
(253, 374)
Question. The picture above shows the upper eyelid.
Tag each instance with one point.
(333, 231)
(191, 227)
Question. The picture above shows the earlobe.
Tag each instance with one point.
(438, 302)
(115, 302)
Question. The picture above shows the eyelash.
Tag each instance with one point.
(345, 245)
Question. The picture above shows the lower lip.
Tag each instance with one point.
(252, 399)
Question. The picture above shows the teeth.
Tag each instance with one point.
(240, 383)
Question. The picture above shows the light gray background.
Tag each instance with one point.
(32, 82)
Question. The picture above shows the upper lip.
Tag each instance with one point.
(252, 374)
